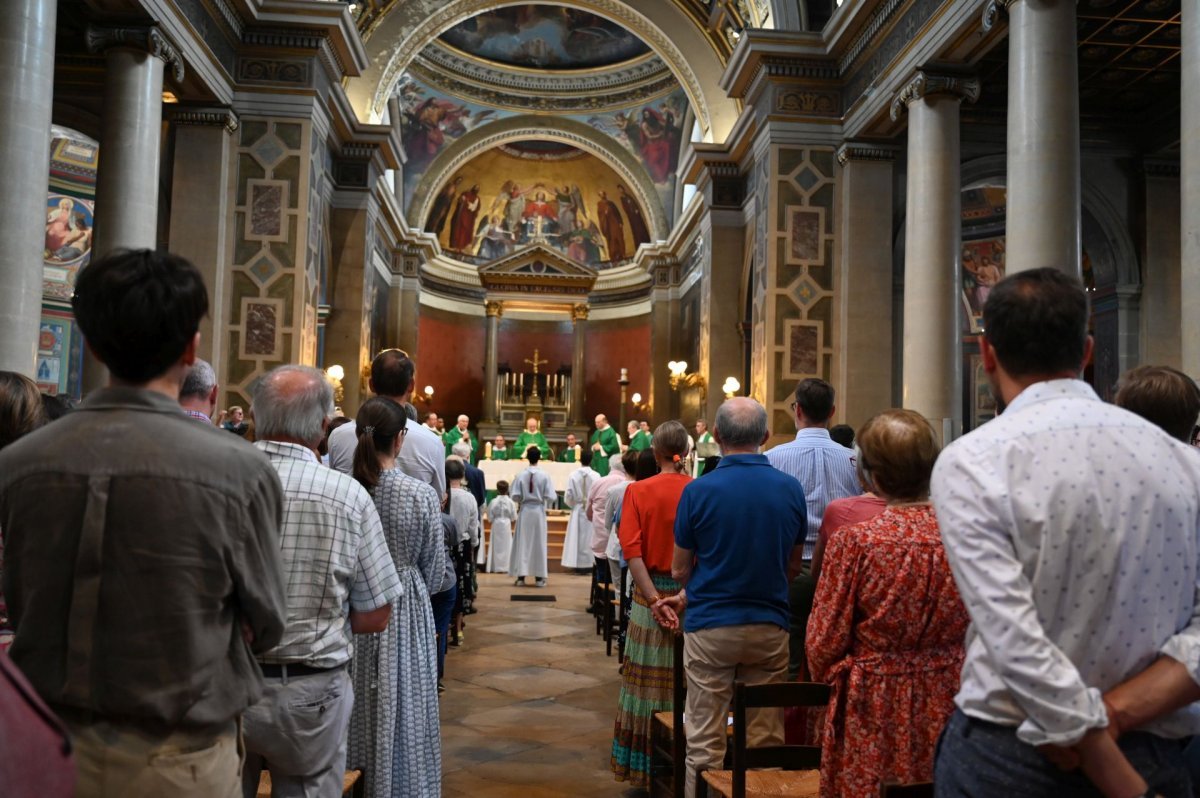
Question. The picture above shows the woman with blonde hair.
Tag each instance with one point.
(395, 671)
(647, 535)
(887, 625)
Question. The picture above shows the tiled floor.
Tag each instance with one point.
(530, 698)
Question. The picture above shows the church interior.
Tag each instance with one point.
(634, 208)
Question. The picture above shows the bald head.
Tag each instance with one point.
(740, 426)
(601, 421)
(294, 404)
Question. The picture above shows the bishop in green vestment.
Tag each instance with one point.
(567, 455)
(458, 433)
(604, 444)
(639, 439)
(530, 436)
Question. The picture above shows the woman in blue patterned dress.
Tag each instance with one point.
(394, 729)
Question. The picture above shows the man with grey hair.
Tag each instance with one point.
(198, 394)
(734, 559)
(340, 580)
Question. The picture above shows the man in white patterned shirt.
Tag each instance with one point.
(1073, 530)
(340, 581)
(825, 469)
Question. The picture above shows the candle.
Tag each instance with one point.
(624, 374)
(487, 451)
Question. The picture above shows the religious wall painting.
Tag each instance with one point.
(982, 268)
(541, 36)
(69, 224)
(545, 193)
(981, 400)
(60, 354)
(429, 122)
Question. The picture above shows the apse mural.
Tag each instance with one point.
(544, 36)
(651, 130)
(538, 192)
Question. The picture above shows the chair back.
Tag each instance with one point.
(786, 757)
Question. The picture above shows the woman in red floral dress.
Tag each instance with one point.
(887, 626)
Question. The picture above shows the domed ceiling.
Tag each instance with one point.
(537, 36)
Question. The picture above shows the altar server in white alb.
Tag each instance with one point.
(577, 547)
(533, 491)
(502, 513)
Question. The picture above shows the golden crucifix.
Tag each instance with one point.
(535, 363)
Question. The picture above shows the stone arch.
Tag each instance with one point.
(517, 128)
(411, 26)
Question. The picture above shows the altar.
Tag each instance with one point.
(496, 470)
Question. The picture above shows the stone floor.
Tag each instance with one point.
(530, 698)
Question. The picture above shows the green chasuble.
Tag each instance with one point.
(500, 454)
(567, 455)
(454, 436)
(705, 438)
(609, 445)
(527, 439)
(641, 441)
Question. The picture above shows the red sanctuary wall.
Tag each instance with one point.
(450, 358)
(518, 338)
(611, 346)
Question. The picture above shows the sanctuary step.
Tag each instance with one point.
(556, 534)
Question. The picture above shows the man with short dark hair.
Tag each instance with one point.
(422, 456)
(533, 491)
(340, 579)
(1163, 396)
(142, 566)
(1073, 531)
(198, 394)
(734, 559)
(825, 469)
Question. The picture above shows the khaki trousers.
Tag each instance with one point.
(117, 761)
(713, 659)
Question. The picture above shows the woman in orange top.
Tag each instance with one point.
(647, 534)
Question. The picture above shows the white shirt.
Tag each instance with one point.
(1072, 529)
(465, 513)
(533, 486)
(422, 455)
(825, 470)
(335, 558)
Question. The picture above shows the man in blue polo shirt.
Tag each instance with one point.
(735, 556)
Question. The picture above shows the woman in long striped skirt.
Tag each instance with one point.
(647, 539)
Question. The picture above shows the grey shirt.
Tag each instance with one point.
(137, 542)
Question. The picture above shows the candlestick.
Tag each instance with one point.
(624, 374)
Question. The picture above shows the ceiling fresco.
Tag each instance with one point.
(535, 192)
(536, 36)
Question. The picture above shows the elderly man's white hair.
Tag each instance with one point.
(293, 402)
(615, 464)
(461, 449)
(199, 382)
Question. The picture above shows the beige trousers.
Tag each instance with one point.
(117, 761)
(713, 659)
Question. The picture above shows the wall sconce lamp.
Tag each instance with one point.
(335, 374)
(639, 405)
(731, 387)
(425, 396)
(680, 378)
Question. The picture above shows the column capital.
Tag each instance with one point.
(927, 83)
(147, 38)
(993, 10)
(208, 116)
(864, 151)
(494, 308)
(579, 312)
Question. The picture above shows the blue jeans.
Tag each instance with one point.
(443, 608)
(976, 759)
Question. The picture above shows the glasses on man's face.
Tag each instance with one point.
(403, 432)
(793, 406)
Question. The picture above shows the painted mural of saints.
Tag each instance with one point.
(462, 224)
(68, 231)
(637, 222)
(655, 137)
(611, 226)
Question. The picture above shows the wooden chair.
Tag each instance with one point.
(601, 582)
(918, 789)
(625, 605)
(800, 775)
(668, 742)
(353, 784)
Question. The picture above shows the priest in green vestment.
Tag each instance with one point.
(567, 455)
(500, 450)
(702, 433)
(639, 439)
(457, 433)
(530, 436)
(605, 443)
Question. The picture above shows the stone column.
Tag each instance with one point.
(200, 220)
(1190, 167)
(1159, 340)
(131, 134)
(26, 94)
(932, 244)
(862, 369)
(491, 354)
(1043, 225)
(579, 315)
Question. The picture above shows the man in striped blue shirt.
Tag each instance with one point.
(825, 469)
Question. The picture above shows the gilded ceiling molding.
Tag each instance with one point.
(520, 128)
(455, 11)
(148, 39)
(993, 10)
(927, 83)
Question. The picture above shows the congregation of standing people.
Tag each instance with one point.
(1017, 613)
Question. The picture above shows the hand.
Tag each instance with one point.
(596, 447)
(1064, 758)
(666, 611)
